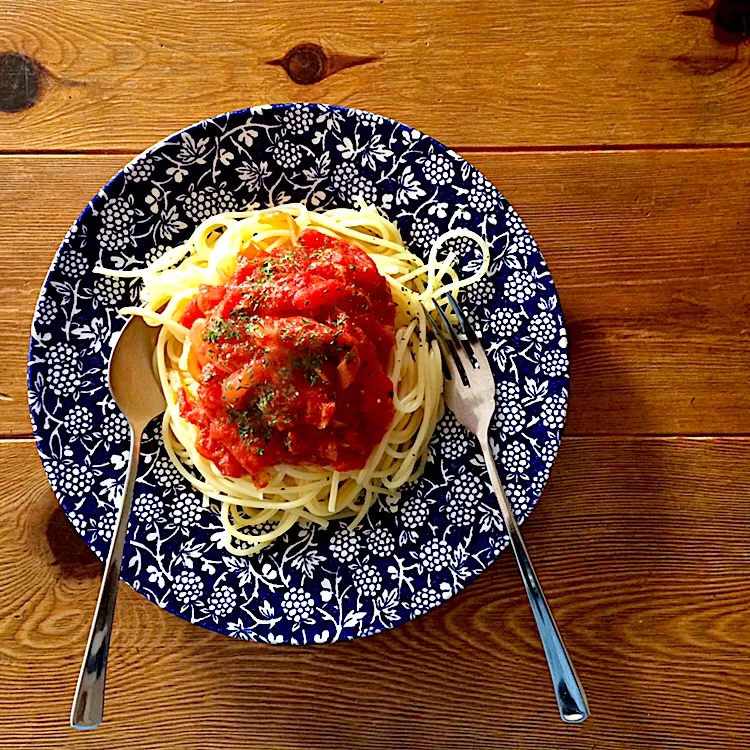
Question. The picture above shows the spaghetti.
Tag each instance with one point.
(261, 505)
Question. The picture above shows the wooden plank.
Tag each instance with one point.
(647, 249)
(489, 72)
(641, 545)
(649, 252)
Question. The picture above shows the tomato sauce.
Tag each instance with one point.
(291, 357)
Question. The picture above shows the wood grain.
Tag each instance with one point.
(648, 250)
(641, 545)
(472, 73)
(641, 541)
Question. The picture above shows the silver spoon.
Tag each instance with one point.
(138, 394)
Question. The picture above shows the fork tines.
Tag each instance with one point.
(447, 348)
(452, 341)
(463, 323)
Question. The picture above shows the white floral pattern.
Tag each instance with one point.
(520, 286)
(516, 457)
(424, 233)
(352, 185)
(464, 495)
(435, 555)
(543, 327)
(185, 510)
(316, 584)
(481, 292)
(298, 605)
(367, 580)
(345, 545)
(148, 507)
(425, 600)
(46, 311)
(553, 411)
(222, 601)
(454, 437)
(139, 170)
(73, 479)
(64, 370)
(187, 586)
(73, 263)
(512, 417)
(200, 204)
(109, 290)
(380, 542)
(115, 427)
(78, 421)
(554, 363)
(298, 120)
(414, 511)
(502, 322)
(438, 169)
(117, 220)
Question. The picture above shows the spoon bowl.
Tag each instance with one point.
(131, 376)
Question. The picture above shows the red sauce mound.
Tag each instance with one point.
(291, 360)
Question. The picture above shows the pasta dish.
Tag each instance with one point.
(295, 360)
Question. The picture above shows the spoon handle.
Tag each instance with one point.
(88, 704)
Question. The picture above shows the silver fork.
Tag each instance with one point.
(470, 394)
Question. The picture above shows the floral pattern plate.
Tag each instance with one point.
(314, 585)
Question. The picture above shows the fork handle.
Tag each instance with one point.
(571, 699)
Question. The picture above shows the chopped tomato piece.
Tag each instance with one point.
(251, 250)
(196, 340)
(191, 314)
(236, 388)
(209, 297)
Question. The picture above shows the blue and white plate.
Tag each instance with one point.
(314, 585)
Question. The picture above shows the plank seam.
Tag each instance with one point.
(591, 148)
(27, 438)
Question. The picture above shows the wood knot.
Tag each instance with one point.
(305, 64)
(731, 20)
(20, 81)
(309, 63)
(733, 17)
(71, 553)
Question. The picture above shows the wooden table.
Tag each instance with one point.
(621, 133)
